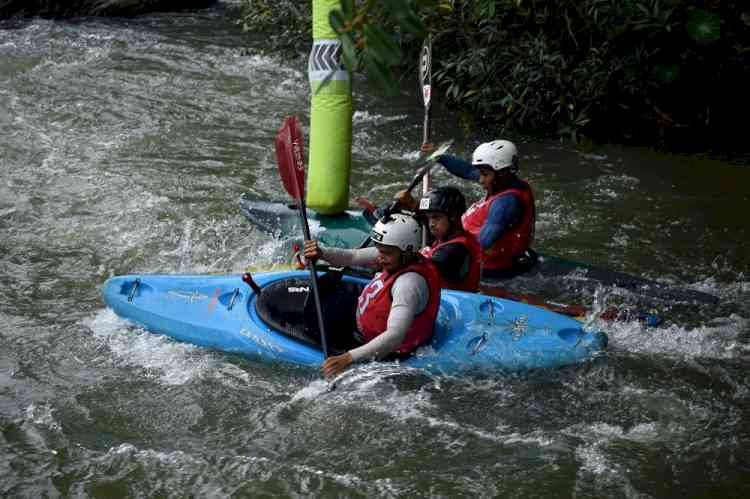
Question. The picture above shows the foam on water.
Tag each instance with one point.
(620, 181)
(388, 188)
(554, 218)
(359, 379)
(599, 473)
(42, 415)
(311, 391)
(619, 240)
(7, 212)
(361, 117)
(163, 359)
(250, 64)
(36, 425)
(200, 245)
(733, 291)
(712, 342)
(595, 157)
(371, 386)
(411, 155)
(212, 474)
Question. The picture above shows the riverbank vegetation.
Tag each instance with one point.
(665, 72)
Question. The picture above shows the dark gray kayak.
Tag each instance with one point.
(547, 275)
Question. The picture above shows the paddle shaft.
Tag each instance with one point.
(394, 206)
(424, 168)
(313, 277)
(576, 311)
(571, 310)
(425, 81)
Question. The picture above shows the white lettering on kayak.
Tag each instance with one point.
(518, 326)
(261, 342)
(191, 297)
(298, 289)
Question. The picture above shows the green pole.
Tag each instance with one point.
(330, 117)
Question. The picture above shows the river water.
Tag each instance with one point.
(125, 146)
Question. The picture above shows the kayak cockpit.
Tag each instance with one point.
(287, 307)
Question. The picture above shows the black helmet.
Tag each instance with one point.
(448, 200)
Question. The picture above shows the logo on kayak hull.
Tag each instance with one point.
(191, 297)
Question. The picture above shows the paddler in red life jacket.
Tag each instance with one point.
(396, 311)
(503, 221)
(455, 253)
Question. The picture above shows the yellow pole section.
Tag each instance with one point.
(330, 117)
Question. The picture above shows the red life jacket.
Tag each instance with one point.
(516, 239)
(374, 306)
(469, 283)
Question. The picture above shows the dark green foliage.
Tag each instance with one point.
(664, 71)
(282, 25)
(371, 32)
(667, 71)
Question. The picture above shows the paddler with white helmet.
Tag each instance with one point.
(396, 311)
(502, 221)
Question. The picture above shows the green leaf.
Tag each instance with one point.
(379, 74)
(348, 52)
(428, 4)
(703, 26)
(382, 45)
(336, 19)
(667, 73)
(410, 22)
(405, 17)
(348, 9)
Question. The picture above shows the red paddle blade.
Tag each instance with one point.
(290, 157)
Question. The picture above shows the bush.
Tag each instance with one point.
(651, 70)
(282, 25)
(665, 71)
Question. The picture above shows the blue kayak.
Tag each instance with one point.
(473, 332)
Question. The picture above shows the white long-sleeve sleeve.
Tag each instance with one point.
(363, 257)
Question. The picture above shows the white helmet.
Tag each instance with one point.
(497, 154)
(398, 230)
